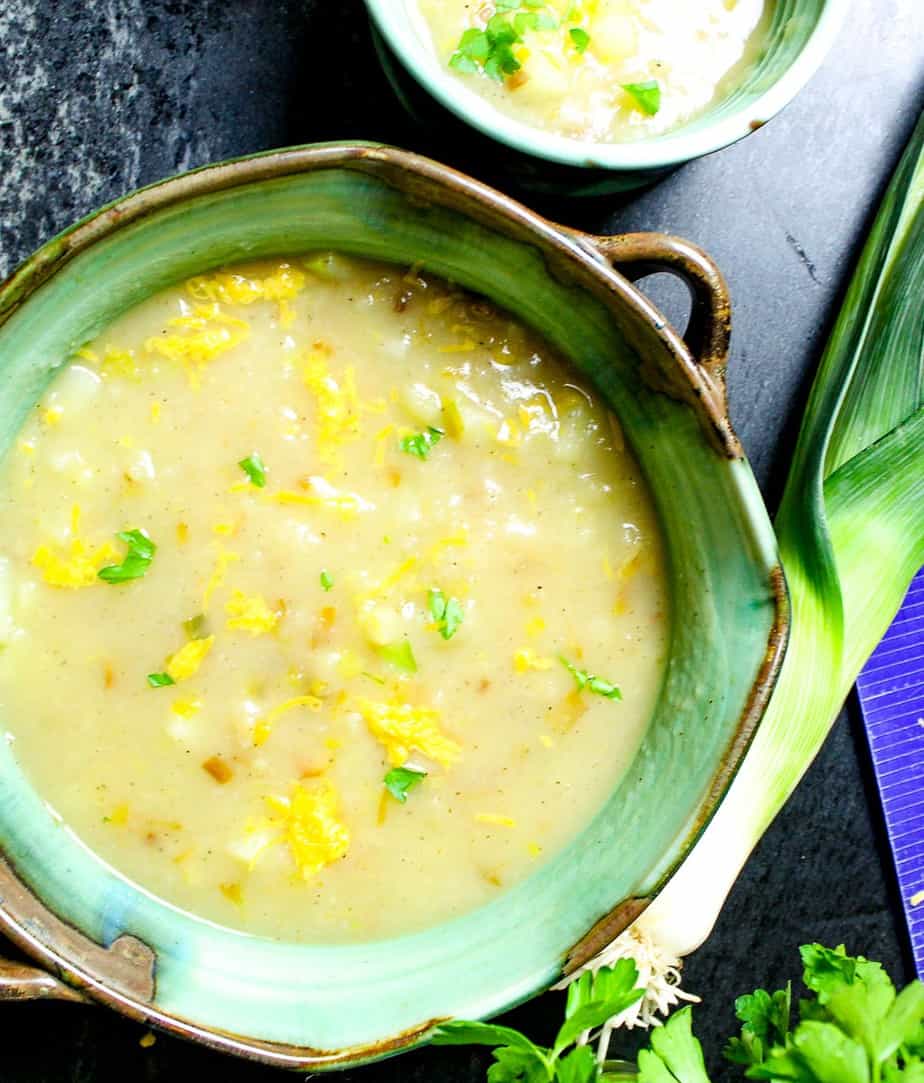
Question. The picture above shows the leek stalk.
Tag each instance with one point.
(851, 536)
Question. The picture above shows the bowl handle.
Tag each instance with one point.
(636, 255)
(18, 981)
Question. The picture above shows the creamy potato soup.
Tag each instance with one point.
(332, 601)
(605, 71)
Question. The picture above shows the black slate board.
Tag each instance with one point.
(100, 96)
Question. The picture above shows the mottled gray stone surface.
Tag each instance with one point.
(100, 96)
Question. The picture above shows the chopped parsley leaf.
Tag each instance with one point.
(400, 655)
(137, 560)
(254, 469)
(491, 49)
(597, 685)
(327, 580)
(194, 626)
(421, 443)
(647, 96)
(401, 780)
(580, 39)
(160, 680)
(448, 613)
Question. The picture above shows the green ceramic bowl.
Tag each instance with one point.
(800, 35)
(96, 935)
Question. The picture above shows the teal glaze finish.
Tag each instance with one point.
(800, 34)
(721, 555)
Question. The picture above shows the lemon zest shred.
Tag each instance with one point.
(188, 659)
(233, 288)
(381, 445)
(186, 708)
(52, 416)
(264, 725)
(435, 551)
(120, 363)
(526, 660)
(495, 818)
(466, 346)
(250, 613)
(225, 558)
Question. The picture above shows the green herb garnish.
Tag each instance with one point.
(447, 613)
(583, 680)
(327, 580)
(401, 780)
(592, 1000)
(647, 96)
(580, 39)
(421, 443)
(254, 469)
(137, 560)
(194, 626)
(400, 655)
(855, 1028)
(160, 680)
(491, 49)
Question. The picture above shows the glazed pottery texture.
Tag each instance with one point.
(799, 37)
(318, 1006)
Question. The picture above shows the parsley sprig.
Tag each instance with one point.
(137, 560)
(446, 612)
(647, 96)
(594, 684)
(854, 1029)
(592, 1000)
(255, 469)
(401, 780)
(422, 443)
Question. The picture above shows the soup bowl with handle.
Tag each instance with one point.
(95, 936)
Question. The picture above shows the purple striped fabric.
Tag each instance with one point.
(891, 690)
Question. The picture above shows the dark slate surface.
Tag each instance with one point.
(100, 96)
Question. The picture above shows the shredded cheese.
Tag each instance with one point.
(199, 338)
(338, 412)
(312, 827)
(78, 564)
(186, 708)
(187, 660)
(403, 728)
(321, 494)
(250, 613)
